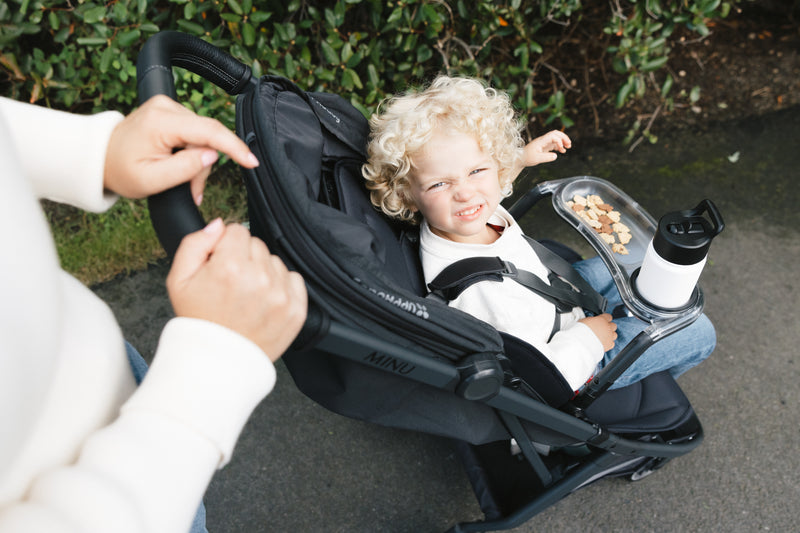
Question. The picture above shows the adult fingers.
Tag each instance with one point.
(194, 251)
(191, 164)
(235, 245)
(188, 129)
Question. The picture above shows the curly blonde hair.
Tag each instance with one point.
(406, 123)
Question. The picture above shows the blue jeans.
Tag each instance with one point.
(139, 367)
(676, 353)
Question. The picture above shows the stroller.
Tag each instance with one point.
(374, 348)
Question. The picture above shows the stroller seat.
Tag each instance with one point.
(375, 349)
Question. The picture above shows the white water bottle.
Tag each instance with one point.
(676, 256)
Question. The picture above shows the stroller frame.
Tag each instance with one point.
(605, 449)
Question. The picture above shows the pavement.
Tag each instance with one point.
(299, 467)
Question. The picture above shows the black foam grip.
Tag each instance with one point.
(173, 212)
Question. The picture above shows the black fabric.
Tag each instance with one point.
(655, 403)
(530, 365)
(396, 245)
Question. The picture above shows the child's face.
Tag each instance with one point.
(454, 185)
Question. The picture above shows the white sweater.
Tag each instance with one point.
(82, 449)
(512, 308)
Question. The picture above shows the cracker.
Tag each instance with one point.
(619, 249)
(603, 219)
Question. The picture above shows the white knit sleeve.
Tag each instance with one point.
(62, 154)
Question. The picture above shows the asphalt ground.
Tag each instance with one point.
(299, 467)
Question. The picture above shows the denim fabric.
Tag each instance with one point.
(677, 353)
(139, 368)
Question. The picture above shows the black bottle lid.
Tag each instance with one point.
(684, 237)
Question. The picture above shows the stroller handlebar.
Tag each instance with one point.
(169, 49)
(173, 212)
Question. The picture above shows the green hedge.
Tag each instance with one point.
(80, 55)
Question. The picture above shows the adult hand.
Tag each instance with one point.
(603, 327)
(141, 159)
(224, 275)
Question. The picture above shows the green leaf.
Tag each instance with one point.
(654, 64)
(191, 27)
(95, 14)
(351, 79)
(329, 53)
(127, 38)
(189, 11)
(260, 16)
(91, 41)
(55, 23)
(281, 32)
(395, 16)
(105, 59)
(372, 75)
(694, 94)
(667, 86)
(234, 5)
(424, 53)
(624, 91)
(347, 52)
(248, 34)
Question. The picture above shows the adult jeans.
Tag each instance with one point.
(676, 353)
(139, 368)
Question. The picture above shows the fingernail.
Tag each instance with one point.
(208, 158)
(214, 226)
(252, 159)
(198, 200)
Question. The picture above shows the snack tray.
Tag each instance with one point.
(642, 228)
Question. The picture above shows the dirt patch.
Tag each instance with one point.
(749, 65)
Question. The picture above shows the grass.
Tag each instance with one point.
(97, 247)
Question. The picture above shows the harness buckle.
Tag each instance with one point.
(508, 268)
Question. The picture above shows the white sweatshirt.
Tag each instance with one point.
(512, 308)
(83, 450)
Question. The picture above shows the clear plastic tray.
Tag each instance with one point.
(641, 224)
(642, 227)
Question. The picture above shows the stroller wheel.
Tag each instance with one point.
(648, 468)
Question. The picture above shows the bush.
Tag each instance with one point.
(80, 55)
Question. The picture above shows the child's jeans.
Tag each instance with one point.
(677, 352)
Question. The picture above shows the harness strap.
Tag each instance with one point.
(567, 288)
(591, 301)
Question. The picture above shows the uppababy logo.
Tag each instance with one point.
(389, 363)
(414, 308)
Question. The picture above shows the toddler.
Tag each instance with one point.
(445, 157)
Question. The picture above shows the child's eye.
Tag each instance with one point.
(436, 186)
(476, 171)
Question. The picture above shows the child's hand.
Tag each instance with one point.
(603, 328)
(542, 149)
